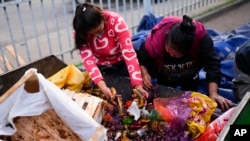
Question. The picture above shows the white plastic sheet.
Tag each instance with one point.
(23, 103)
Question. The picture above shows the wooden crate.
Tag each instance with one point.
(45, 127)
(48, 126)
(91, 104)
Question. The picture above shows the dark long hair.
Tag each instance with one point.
(180, 37)
(87, 17)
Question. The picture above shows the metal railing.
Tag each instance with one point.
(33, 29)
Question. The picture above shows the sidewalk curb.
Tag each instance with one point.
(214, 13)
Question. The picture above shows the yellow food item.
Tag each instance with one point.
(59, 78)
(87, 80)
(75, 78)
(71, 78)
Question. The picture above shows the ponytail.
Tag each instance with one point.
(187, 26)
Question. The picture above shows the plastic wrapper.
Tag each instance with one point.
(215, 127)
(188, 115)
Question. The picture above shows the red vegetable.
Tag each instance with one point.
(128, 103)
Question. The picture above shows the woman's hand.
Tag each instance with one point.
(105, 90)
(142, 91)
(146, 78)
(223, 102)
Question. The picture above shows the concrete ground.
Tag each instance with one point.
(222, 19)
(229, 17)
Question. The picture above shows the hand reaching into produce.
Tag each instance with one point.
(223, 102)
(139, 98)
(146, 78)
(142, 91)
(105, 90)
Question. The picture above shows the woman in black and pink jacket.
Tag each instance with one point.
(175, 51)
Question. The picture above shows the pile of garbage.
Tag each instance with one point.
(182, 117)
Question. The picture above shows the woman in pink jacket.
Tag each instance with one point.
(104, 41)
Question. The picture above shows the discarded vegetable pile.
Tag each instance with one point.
(132, 120)
(177, 118)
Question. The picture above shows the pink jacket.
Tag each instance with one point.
(112, 47)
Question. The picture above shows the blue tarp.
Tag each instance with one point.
(225, 45)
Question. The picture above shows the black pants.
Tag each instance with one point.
(119, 69)
(186, 84)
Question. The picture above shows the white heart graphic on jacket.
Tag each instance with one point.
(85, 54)
(111, 33)
(128, 41)
(118, 28)
(106, 63)
(130, 68)
(112, 21)
(113, 13)
(111, 57)
(89, 62)
(93, 71)
(103, 43)
(96, 60)
(114, 50)
(120, 58)
(125, 51)
(135, 75)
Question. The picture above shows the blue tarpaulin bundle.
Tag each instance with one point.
(146, 24)
(225, 45)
